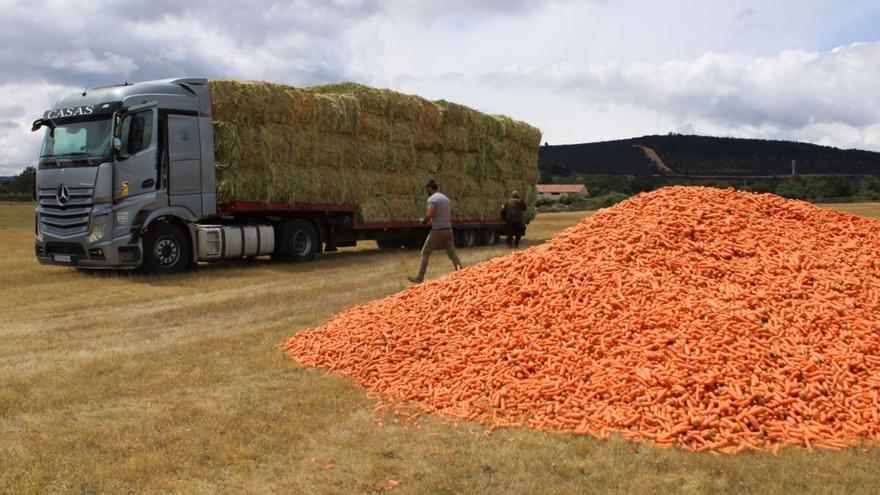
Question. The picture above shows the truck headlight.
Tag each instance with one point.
(96, 234)
(38, 233)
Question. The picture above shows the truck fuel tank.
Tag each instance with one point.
(218, 242)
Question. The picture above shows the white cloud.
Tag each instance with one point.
(830, 97)
(579, 70)
(20, 105)
(86, 62)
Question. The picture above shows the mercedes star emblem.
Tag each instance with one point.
(62, 194)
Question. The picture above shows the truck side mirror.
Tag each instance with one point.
(41, 122)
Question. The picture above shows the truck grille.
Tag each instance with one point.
(68, 219)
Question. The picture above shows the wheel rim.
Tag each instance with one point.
(469, 238)
(166, 251)
(302, 243)
(490, 237)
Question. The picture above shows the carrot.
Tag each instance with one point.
(710, 319)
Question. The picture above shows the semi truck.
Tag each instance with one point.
(126, 179)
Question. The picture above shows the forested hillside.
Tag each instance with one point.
(704, 155)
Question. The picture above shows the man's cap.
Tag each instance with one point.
(432, 184)
(514, 194)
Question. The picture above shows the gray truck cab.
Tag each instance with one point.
(119, 163)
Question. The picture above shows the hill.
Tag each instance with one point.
(703, 155)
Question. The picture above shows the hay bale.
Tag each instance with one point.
(372, 126)
(428, 162)
(258, 102)
(337, 113)
(384, 102)
(457, 138)
(349, 143)
(452, 114)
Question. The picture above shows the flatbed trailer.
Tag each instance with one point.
(341, 225)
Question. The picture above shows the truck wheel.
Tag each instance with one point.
(490, 237)
(466, 238)
(387, 244)
(415, 242)
(166, 249)
(300, 241)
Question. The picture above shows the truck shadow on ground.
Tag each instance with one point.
(407, 257)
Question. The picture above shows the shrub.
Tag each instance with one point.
(574, 199)
(608, 200)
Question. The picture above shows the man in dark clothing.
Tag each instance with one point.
(514, 213)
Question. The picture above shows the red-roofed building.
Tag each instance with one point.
(557, 191)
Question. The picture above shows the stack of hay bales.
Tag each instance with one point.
(353, 144)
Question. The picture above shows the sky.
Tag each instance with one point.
(581, 71)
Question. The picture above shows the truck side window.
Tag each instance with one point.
(137, 131)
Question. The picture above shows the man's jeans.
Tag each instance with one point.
(440, 238)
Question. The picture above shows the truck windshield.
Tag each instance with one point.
(84, 139)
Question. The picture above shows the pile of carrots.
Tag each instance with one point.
(709, 319)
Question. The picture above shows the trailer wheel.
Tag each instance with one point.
(416, 242)
(299, 241)
(166, 249)
(490, 237)
(389, 243)
(466, 238)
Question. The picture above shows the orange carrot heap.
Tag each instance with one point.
(704, 318)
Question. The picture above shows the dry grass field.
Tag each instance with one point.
(118, 383)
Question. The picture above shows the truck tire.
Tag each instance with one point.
(388, 243)
(490, 237)
(404, 243)
(416, 242)
(299, 241)
(166, 249)
(466, 238)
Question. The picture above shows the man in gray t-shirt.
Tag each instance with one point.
(442, 216)
(439, 215)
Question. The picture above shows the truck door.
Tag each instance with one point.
(137, 164)
(184, 156)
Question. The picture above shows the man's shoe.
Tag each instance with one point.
(415, 280)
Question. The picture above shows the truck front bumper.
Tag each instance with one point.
(118, 253)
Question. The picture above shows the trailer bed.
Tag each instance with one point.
(250, 207)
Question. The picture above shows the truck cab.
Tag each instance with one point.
(120, 164)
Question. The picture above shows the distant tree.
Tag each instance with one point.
(546, 177)
(760, 186)
(573, 199)
(870, 184)
(19, 187)
(609, 200)
(792, 189)
(829, 187)
(24, 181)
